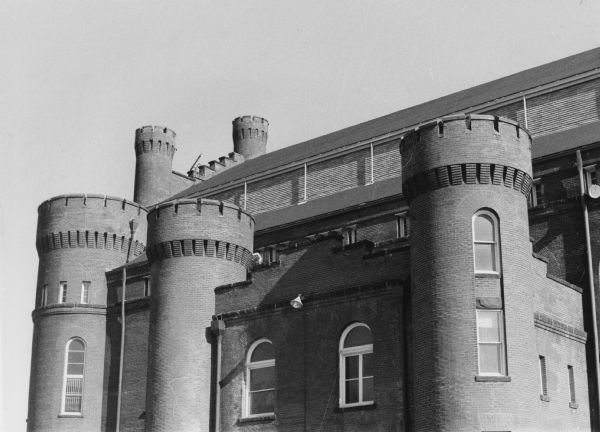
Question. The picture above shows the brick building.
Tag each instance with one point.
(426, 270)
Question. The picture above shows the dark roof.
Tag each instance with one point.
(456, 102)
(329, 205)
(566, 140)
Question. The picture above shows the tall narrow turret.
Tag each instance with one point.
(78, 238)
(467, 179)
(195, 246)
(154, 150)
(250, 135)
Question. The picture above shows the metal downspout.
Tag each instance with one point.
(588, 246)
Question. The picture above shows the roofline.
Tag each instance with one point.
(557, 84)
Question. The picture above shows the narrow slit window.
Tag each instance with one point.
(62, 292)
(571, 385)
(349, 236)
(44, 296)
(536, 193)
(147, 287)
(85, 292)
(402, 226)
(543, 377)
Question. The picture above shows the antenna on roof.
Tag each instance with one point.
(194, 165)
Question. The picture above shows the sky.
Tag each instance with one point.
(78, 77)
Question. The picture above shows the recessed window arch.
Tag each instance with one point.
(260, 379)
(356, 366)
(72, 397)
(486, 242)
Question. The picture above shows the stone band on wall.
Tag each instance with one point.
(467, 173)
(199, 247)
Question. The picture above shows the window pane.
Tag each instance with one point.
(72, 404)
(76, 345)
(488, 326)
(368, 390)
(490, 358)
(262, 402)
(483, 228)
(352, 367)
(352, 391)
(263, 378)
(75, 369)
(263, 351)
(76, 356)
(358, 336)
(368, 365)
(484, 257)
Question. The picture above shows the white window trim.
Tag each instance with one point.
(250, 366)
(147, 287)
(65, 376)
(402, 225)
(352, 351)
(496, 242)
(588, 175)
(83, 291)
(63, 289)
(502, 343)
(534, 198)
(44, 296)
(349, 234)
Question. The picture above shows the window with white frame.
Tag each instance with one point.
(73, 377)
(402, 225)
(44, 296)
(356, 366)
(270, 255)
(62, 292)
(536, 194)
(349, 235)
(147, 287)
(490, 342)
(486, 242)
(260, 379)
(591, 176)
(85, 292)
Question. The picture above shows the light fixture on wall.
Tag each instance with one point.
(297, 302)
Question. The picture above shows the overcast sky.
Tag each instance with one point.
(77, 78)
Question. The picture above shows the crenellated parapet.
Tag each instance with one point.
(204, 172)
(155, 139)
(250, 134)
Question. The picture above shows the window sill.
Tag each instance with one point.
(573, 405)
(359, 407)
(257, 419)
(488, 275)
(70, 415)
(491, 378)
(544, 398)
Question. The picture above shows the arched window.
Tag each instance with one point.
(356, 366)
(73, 377)
(486, 242)
(260, 379)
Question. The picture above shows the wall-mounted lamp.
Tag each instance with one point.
(297, 302)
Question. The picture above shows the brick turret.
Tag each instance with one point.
(250, 135)
(452, 170)
(194, 246)
(78, 238)
(154, 150)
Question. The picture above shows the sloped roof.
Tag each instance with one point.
(455, 102)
